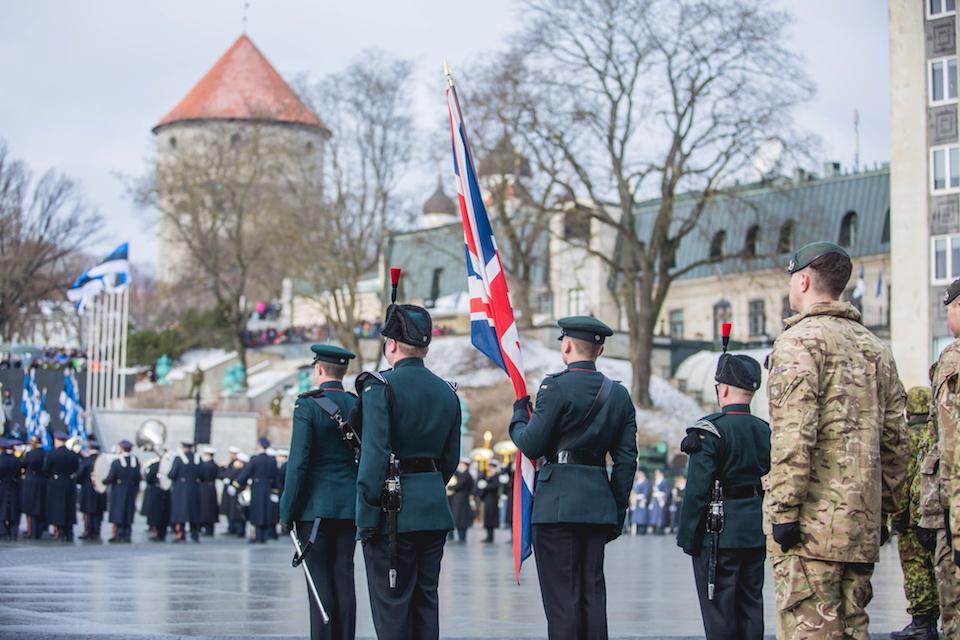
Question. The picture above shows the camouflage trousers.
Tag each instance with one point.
(948, 584)
(817, 599)
(919, 578)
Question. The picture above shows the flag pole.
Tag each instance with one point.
(125, 329)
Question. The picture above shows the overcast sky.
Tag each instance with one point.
(83, 83)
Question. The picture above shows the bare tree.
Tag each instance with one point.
(44, 226)
(227, 212)
(656, 98)
(345, 217)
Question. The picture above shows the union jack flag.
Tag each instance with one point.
(493, 329)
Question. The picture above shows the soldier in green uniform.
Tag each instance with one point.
(411, 416)
(942, 477)
(731, 448)
(838, 453)
(919, 578)
(580, 417)
(321, 486)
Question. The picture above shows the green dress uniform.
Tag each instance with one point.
(412, 413)
(732, 448)
(577, 506)
(321, 484)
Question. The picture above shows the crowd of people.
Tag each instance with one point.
(49, 357)
(185, 495)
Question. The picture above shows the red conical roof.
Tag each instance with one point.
(242, 85)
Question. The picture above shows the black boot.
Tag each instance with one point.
(920, 628)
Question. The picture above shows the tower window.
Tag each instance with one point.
(848, 230)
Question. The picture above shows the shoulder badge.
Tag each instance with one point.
(453, 385)
(365, 377)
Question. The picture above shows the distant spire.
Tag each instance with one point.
(246, 6)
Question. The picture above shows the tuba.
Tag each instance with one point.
(151, 436)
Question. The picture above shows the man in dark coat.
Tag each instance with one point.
(186, 475)
(459, 492)
(488, 490)
(33, 489)
(61, 466)
(578, 508)
(92, 503)
(10, 468)
(732, 448)
(321, 486)
(261, 474)
(156, 502)
(413, 415)
(209, 509)
(124, 480)
(229, 503)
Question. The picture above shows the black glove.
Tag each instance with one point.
(787, 534)
(285, 527)
(613, 532)
(926, 538)
(901, 524)
(366, 534)
(884, 535)
(522, 403)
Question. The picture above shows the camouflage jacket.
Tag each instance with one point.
(931, 503)
(839, 444)
(922, 440)
(946, 415)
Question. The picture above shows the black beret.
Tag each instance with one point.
(807, 254)
(952, 292)
(585, 328)
(126, 445)
(738, 371)
(408, 323)
(331, 353)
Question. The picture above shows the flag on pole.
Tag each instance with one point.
(880, 283)
(493, 329)
(70, 407)
(861, 285)
(31, 407)
(110, 276)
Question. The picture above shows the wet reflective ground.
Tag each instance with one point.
(224, 587)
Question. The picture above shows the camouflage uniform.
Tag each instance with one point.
(838, 459)
(940, 485)
(919, 579)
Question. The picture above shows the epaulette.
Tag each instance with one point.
(558, 373)
(691, 442)
(453, 385)
(706, 424)
(366, 375)
(313, 393)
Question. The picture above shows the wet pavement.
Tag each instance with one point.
(224, 587)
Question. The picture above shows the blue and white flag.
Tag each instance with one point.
(111, 276)
(70, 408)
(880, 283)
(31, 406)
(861, 285)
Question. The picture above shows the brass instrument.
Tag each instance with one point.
(450, 485)
(505, 448)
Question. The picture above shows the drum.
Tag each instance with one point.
(101, 469)
(163, 473)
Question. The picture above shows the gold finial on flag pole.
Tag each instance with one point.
(448, 72)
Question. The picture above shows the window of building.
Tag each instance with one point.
(676, 324)
(173, 142)
(718, 244)
(785, 310)
(758, 318)
(946, 259)
(669, 250)
(943, 80)
(885, 234)
(309, 147)
(940, 8)
(576, 302)
(946, 169)
(785, 241)
(235, 139)
(435, 285)
(722, 312)
(751, 247)
(848, 230)
(576, 225)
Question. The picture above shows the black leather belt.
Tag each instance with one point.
(419, 465)
(739, 493)
(568, 456)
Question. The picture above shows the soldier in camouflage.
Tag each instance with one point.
(940, 478)
(919, 579)
(838, 453)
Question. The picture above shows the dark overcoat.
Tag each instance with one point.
(156, 500)
(10, 468)
(186, 474)
(489, 494)
(88, 499)
(124, 483)
(61, 466)
(460, 493)
(33, 489)
(261, 474)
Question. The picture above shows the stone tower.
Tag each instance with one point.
(240, 103)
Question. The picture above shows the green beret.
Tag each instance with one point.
(805, 255)
(952, 292)
(331, 353)
(585, 328)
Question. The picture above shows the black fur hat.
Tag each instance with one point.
(409, 324)
(738, 371)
